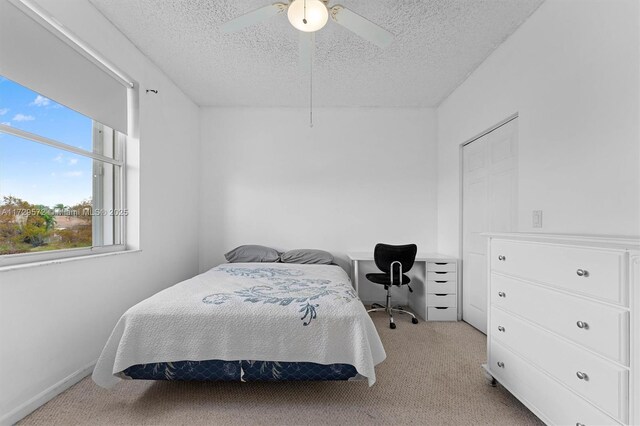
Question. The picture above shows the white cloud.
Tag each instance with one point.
(40, 101)
(58, 158)
(6, 123)
(3, 111)
(75, 174)
(73, 161)
(53, 174)
(22, 117)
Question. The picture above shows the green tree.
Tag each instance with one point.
(23, 223)
(49, 219)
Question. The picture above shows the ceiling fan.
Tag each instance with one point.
(311, 15)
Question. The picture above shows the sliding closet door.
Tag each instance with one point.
(489, 204)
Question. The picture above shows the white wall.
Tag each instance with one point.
(571, 72)
(359, 177)
(55, 319)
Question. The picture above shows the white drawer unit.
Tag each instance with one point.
(442, 287)
(442, 300)
(444, 266)
(441, 275)
(442, 290)
(563, 326)
(601, 328)
(546, 397)
(590, 271)
(442, 314)
(602, 382)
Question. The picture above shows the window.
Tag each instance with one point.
(61, 180)
(63, 121)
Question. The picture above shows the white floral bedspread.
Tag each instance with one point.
(248, 311)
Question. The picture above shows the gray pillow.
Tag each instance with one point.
(252, 253)
(319, 257)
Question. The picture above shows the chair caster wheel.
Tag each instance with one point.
(392, 325)
(414, 320)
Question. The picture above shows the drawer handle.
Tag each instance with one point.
(501, 257)
(440, 295)
(441, 263)
(502, 294)
(501, 328)
(440, 272)
(500, 364)
(582, 376)
(441, 282)
(583, 325)
(580, 424)
(582, 273)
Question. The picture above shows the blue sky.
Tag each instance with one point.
(38, 173)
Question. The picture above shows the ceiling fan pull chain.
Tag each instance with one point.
(304, 17)
(311, 90)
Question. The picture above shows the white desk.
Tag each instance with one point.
(438, 300)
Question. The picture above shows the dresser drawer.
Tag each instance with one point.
(442, 314)
(441, 276)
(441, 266)
(592, 272)
(606, 384)
(602, 328)
(449, 287)
(556, 403)
(442, 300)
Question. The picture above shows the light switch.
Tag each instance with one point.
(537, 219)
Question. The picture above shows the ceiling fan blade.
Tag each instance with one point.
(361, 26)
(306, 50)
(253, 17)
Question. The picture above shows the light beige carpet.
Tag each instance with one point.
(431, 376)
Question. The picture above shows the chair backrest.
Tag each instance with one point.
(385, 254)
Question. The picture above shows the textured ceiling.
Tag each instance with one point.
(438, 43)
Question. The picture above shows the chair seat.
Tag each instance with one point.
(385, 279)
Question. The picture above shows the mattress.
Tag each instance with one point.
(291, 318)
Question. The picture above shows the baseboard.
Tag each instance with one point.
(23, 410)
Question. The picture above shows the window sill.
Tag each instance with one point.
(65, 260)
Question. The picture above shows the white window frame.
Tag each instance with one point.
(119, 200)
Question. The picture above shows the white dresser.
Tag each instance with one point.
(563, 329)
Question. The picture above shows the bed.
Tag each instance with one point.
(246, 322)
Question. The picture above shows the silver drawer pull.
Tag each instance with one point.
(582, 376)
(502, 294)
(501, 328)
(580, 424)
(582, 273)
(583, 325)
(500, 364)
(501, 257)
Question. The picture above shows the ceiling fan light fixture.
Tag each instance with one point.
(308, 15)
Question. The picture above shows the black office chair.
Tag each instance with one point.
(394, 262)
